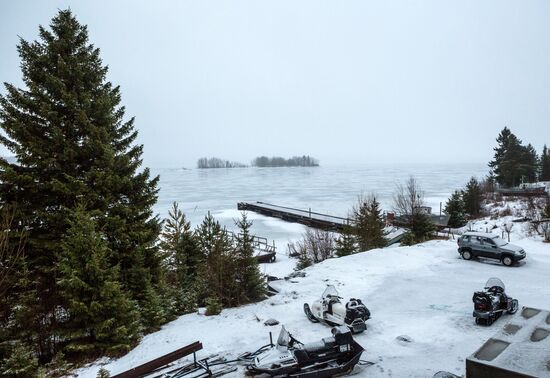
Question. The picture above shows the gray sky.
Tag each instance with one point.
(372, 81)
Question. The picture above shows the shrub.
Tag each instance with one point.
(213, 306)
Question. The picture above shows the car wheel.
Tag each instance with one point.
(467, 255)
(507, 260)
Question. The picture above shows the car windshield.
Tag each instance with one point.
(500, 242)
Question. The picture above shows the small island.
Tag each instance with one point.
(276, 161)
(214, 162)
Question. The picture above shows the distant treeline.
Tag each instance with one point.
(276, 161)
(215, 162)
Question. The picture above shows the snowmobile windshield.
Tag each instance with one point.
(492, 282)
(284, 337)
(330, 291)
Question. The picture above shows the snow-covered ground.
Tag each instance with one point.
(424, 292)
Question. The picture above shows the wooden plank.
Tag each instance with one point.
(148, 367)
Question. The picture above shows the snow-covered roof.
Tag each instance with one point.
(521, 347)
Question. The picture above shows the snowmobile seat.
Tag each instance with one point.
(342, 335)
(301, 356)
(317, 346)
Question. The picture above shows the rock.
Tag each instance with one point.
(295, 275)
(404, 339)
(271, 322)
(445, 374)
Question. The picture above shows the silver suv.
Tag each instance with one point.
(491, 246)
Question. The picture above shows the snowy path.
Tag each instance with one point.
(424, 292)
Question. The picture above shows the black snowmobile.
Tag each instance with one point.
(329, 357)
(490, 304)
(330, 310)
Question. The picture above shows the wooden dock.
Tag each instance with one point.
(305, 217)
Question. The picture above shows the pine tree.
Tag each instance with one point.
(103, 373)
(182, 258)
(346, 243)
(513, 163)
(21, 363)
(251, 283)
(529, 164)
(99, 314)
(217, 274)
(67, 131)
(369, 224)
(455, 208)
(472, 198)
(545, 165)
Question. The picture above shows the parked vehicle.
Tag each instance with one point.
(329, 357)
(330, 310)
(490, 246)
(491, 303)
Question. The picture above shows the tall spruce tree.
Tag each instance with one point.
(545, 165)
(472, 198)
(530, 164)
(67, 131)
(251, 283)
(369, 224)
(99, 315)
(513, 163)
(455, 208)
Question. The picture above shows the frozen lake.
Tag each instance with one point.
(326, 189)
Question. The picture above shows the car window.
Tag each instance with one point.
(488, 241)
(475, 240)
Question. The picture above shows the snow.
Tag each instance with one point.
(424, 292)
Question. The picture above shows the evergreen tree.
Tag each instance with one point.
(182, 258)
(251, 283)
(21, 363)
(545, 165)
(529, 164)
(346, 243)
(99, 314)
(67, 131)
(472, 198)
(179, 245)
(217, 274)
(455, 207)
(369, 224)
(513, 163)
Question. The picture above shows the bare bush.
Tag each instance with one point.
(314, 247)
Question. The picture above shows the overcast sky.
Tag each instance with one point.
(371, 81)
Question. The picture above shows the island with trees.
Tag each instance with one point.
(214, 162)
(276, 161)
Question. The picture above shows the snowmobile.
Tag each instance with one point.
(490, 304)
(330, 310)
(331, 356)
